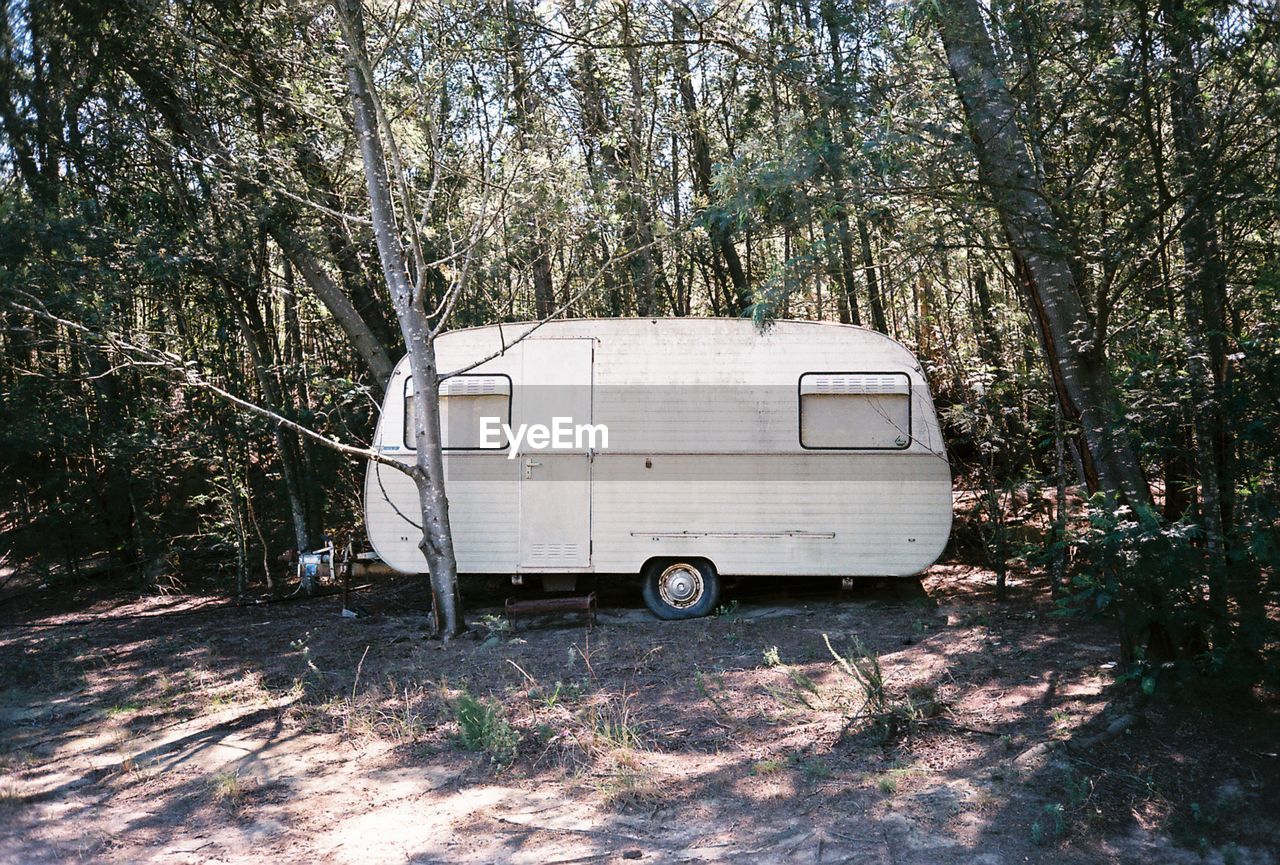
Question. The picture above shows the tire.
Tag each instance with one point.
(681, 588)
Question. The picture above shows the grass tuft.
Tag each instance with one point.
(11, 797)
(227, 790)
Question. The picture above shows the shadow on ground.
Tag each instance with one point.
(186, 731)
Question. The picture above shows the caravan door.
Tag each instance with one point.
(555, 483)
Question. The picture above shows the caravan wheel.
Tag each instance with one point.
(681, 589)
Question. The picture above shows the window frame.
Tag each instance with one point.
(406, 436)
(800, 411)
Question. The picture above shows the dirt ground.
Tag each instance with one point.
(185, 730)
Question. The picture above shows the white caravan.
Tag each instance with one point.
(681, 450)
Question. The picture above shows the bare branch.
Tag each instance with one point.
(560, 310)
(133, 355)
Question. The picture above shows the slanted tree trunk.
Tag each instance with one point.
(419, 339)
(1077, 366)
(356, 282)
(157, 89)
(344, 312)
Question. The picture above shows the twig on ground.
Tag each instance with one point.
(576, 829)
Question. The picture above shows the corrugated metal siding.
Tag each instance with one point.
(873, 506)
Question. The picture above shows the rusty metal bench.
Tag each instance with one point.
(580, 603)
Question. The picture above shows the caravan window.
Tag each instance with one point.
(855, 410)
(465, 402)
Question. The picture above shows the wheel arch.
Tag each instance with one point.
(661, 561)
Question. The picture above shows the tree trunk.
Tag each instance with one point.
(717, 226)
(1081, 379)
(643, 270)
(621, 167)
(296, 479)
(156, 88)
(526, 110)
(837, 132)
(362, 337)
(419, 340)
(869, 274)
(356, 282)
(990, 348)
(1201, 294)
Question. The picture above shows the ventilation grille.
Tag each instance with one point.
(475, 385)
(551, 553)
(860, 384)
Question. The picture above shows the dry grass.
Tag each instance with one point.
(11, 796)
(694, 722)
(630, 787)
(228, 791)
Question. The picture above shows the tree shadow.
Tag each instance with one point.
(747, 751)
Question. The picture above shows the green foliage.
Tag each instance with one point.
(483, 727)
(558, 694)
(727, 611)
(1150, 574)
(770, 766)
(884, 712)
(494, 629)
(771, 657)
(1050, 825)
(1140, 545)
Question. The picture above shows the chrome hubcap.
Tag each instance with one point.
(680, 586)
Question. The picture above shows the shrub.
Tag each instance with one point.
(483, 727)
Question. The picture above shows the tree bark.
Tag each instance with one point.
(644, 272)
(290, 467)
(869, 274)
(1081, 379)
(526, 110)
(990, 348)
(1201, 294)
(357, 283)
(157, 90)
(1178, 447)
(836, 122)
(717, 225)
(419, 340)
(366, 343)
(619, 166)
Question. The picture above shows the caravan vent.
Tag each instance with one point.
(550, 553)
(860, 384)
(476, 385)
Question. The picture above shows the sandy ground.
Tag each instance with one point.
(162, 730)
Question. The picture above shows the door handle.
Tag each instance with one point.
(528, 467)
